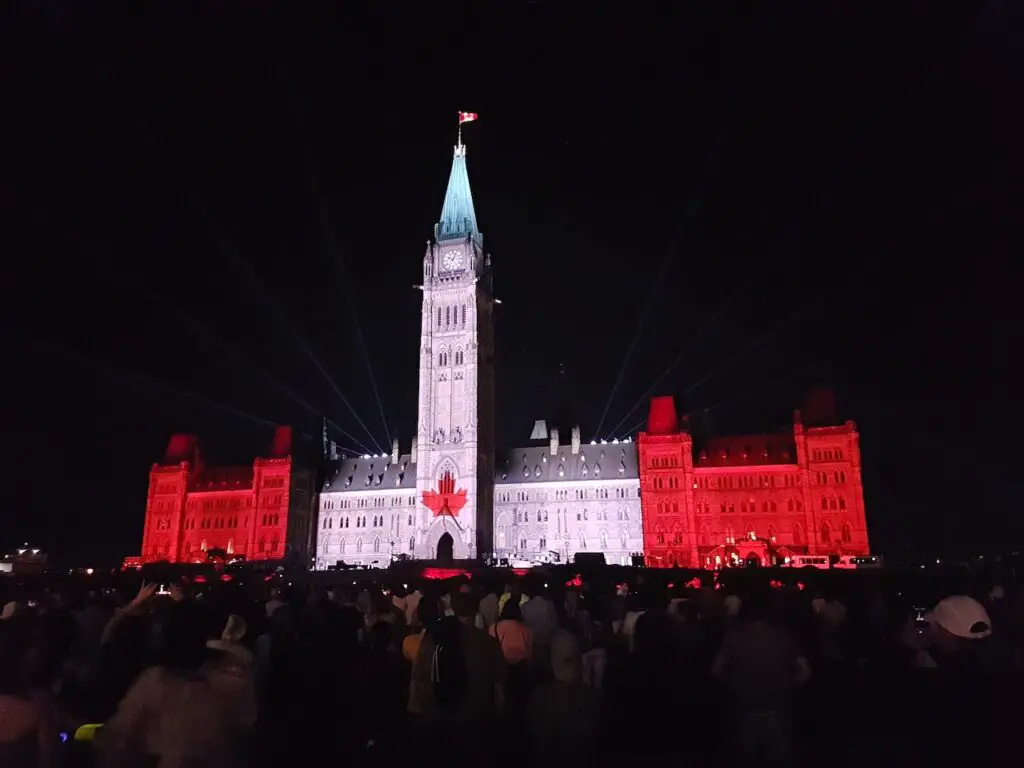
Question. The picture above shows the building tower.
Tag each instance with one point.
(455, 425)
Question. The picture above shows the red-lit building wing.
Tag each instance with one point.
(756, 497)
(257, 512)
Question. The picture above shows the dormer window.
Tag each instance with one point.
(597, 470)
(583, 469)
(526, 471)
(536, 471)
(348, 481)
(561, 469)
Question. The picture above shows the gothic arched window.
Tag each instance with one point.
(847, 533)
(826, 534)
(798, 535)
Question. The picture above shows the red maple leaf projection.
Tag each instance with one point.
(445, 500)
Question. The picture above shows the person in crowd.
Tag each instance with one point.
(564, 714)
(28, 714)
(181, 712)
(230, 640)
(425, 616)
(760, 666)
(456, 684)
(513, 635)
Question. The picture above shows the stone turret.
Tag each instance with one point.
(394, 451)
(575, 440)
(554, 442)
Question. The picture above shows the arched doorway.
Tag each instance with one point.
(445, 548)
(753, 560)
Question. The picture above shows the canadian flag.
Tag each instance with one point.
(467, 117)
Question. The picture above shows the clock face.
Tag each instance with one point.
(452, 260)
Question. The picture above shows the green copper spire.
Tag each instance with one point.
(458, 217)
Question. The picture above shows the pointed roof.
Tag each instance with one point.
(458, 217)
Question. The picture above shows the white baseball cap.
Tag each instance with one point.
(961, 616)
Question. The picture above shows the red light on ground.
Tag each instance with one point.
(200, 579)
(226, 577)
(671, 585)
(694, 583)
(575, 581)
(800, 585)
(520, 571)
(440, 574)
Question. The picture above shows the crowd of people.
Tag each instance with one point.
(518, 671)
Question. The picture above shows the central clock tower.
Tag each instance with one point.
(455, 428)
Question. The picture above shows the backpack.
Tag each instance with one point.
(448, 665)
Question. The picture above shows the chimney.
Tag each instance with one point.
(554, 442)
(575, 440)
(662, 419)
(540, 430)
(394, 451)
(412, 450)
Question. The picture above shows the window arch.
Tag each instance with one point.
(749, 532)
(826, 533)
(376, 545)
(773, 534)
(447, 315)
(798, 535)
(359, 546)
(341, 546)
(842, 503)
(847, 533)
(824, 502)
(704, 537)
(604, 540)
(412, 543)
(730, 535)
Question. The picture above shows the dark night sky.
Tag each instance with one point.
(816, 194)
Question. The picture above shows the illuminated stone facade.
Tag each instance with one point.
(552, 499)
(756, 498)
(259, 512)
(557, 499)
(435, 501)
